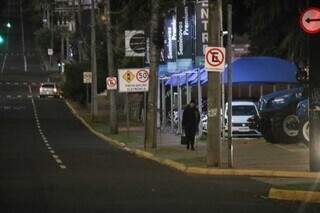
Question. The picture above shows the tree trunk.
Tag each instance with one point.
(151, 131)
(112, 73)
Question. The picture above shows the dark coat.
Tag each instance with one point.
(190, 119)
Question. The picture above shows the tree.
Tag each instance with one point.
(151, 123)
(274, 28)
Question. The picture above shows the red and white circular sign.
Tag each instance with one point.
(111, 83)
(142, 76)
(215, 59)
(310, 20)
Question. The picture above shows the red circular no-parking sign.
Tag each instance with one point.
(310, 20)
(111, 83)
(215, 58)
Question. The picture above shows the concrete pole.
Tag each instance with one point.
(199, 101)
(94, 105)
(314, 102)
(229, 62)
(164, 110)
(62, 48)
(158, 103)
(68, 46)
(188, 89)
(179, 107)
(171, 107)
(214, 89)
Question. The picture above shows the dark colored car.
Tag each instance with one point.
(277, 119)
(303, 115)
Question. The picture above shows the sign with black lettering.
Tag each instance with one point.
(133, 80)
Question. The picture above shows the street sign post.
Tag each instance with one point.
(133, 80)
(215, 59)
(112, 83)
(310, 24)
(310, 20)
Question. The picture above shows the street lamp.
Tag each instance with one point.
(8, 25)
(1, 39)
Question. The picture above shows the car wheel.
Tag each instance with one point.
(286, 129)
(304, 131)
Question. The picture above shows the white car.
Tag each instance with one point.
(241, 112)
(48, 89)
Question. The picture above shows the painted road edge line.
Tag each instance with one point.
(294, 195)
(196, 170)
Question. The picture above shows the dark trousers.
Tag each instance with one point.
(190, 135)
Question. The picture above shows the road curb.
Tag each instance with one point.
(294, 195)
(197, 170)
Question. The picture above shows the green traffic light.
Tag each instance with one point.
(1, 39)
(8, 25)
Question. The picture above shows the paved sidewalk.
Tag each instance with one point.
(249, 153)
(281, 165)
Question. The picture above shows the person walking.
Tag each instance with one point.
(190, 123)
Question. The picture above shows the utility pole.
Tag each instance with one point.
(112, 73)
(229, 62)
(151, 121)
(214, 88)
(79, 28)
(94, 106)
(314, 101)
(51, 21)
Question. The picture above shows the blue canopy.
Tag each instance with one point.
(262, 70)
(248, 70)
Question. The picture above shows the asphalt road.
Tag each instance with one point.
(50, 163)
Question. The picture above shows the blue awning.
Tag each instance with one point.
(248, 70)
(263, 70)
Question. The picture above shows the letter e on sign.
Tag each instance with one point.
(215, 59)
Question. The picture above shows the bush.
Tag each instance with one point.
(73, 87)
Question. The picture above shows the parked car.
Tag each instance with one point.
(277, 120)
(241, 112)
(48, 89)
(303, 115)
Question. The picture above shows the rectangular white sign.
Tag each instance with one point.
(87, 77)
(133, 80)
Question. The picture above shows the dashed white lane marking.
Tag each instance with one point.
(19, 96)
(59, 161)
(62, 167)
(44, 139)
